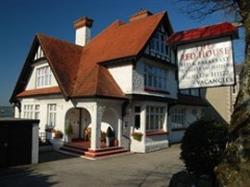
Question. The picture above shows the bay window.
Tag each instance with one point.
(154, 118)
(155, 78)
(28, 111)
(31, 111)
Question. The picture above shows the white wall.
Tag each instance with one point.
(123, 76)
(32, 80)
(61, 108)
(83, 35)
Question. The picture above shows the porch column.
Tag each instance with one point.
(119, 134)
(96, 127)
(143, 122)
(165, 123)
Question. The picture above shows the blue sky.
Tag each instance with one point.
(20, 20)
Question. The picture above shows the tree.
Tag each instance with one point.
(235, 168)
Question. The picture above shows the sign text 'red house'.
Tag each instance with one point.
(206, 64)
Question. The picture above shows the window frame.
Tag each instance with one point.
(43, 76)
(178, 118)
(155, 78)
(51, 115)
(155, 118)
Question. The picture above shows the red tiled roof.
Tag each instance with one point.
(40, 92)
(212, 31)
(78, 70)
(115, 42)
(63, 58)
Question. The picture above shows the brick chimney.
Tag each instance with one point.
(83, 30)
(141, 14)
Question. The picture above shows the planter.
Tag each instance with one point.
(49, 135)
(68, 139)
(137, 136)
(109, 141)
(115, 142)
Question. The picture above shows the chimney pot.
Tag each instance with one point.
(140, 14)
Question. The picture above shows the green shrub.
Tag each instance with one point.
(203, 146)
(69, 130)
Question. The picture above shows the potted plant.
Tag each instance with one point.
(109, 137)
(49, 130)
(69, 132)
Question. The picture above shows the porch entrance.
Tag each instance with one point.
(94, 134)
(79, 119)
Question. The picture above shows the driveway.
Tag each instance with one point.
(152, 169)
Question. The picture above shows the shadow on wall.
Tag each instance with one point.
(211, 113)
(24, 176)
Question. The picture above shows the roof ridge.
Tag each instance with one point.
(60, 40)
(204, 26)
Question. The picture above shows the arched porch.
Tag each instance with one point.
(90, 126)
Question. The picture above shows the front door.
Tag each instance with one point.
(3, 145)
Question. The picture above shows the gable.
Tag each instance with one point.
(41, 76)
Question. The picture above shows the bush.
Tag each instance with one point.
(69, 130)
(203, 146)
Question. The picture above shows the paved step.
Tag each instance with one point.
(105, 152)
(73, 150)
(106, 149)
(75, 147)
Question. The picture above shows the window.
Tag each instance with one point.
(155, 77)
(158, 45)
(37, 112)
(31, 111)
(137, 117)
(185, 92)
(43, 76)
(51, 115)
(193, 92)
(178, 118)
(28, 111)
(154, 118)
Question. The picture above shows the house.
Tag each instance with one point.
(124, 78)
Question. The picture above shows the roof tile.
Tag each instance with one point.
(212, 31)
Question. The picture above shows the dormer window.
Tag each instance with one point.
(43, 76)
